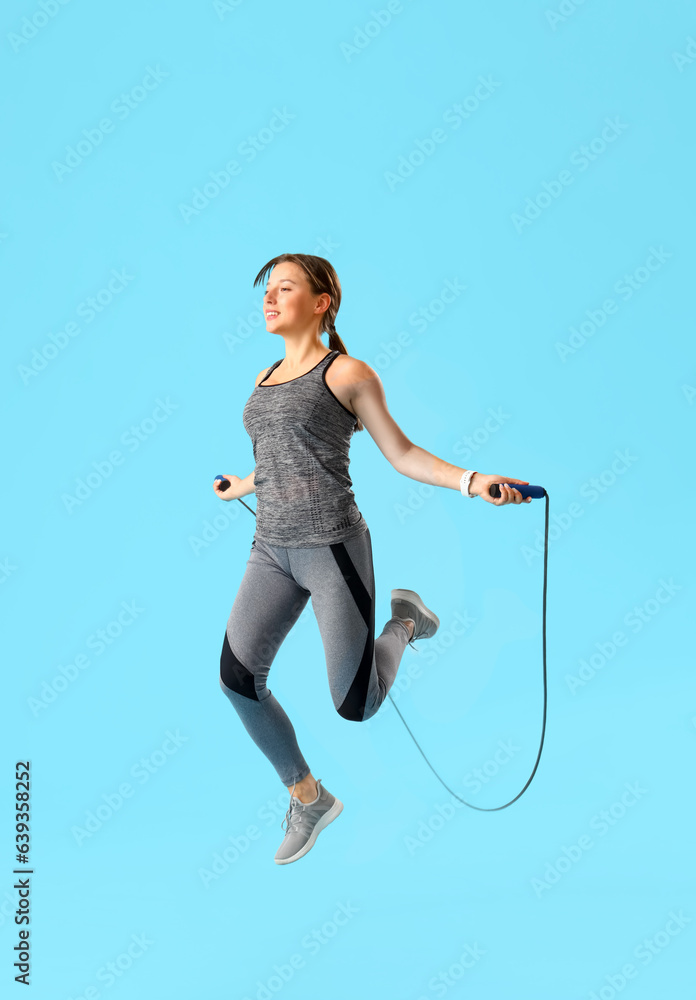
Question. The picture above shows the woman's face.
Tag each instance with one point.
(288, 303)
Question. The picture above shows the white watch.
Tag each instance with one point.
(464, 484)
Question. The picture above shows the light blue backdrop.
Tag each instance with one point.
(506, 192)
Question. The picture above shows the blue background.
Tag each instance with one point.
(416, 898)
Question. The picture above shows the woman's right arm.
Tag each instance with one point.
(246, 486)
(237, 488)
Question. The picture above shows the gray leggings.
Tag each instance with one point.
(276, 585)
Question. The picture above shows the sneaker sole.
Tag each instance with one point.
(412, 597)
(328, 817)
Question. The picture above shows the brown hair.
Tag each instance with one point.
(322, 278)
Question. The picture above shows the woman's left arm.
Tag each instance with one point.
(370, 405)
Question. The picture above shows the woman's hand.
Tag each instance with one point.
(231, 492)
(479, 483)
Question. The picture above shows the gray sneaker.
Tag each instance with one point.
(305, 821)
(407, 604)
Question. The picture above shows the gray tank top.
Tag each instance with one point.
(301, 435)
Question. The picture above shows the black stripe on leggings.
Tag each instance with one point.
(353, 706)
(234, 674)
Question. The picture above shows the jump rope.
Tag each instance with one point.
(536, 492)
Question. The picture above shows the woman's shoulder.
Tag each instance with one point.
(351, 369)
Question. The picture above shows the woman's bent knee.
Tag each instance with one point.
(234, 675)
(354, 713)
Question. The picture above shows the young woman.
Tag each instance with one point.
(311, 539)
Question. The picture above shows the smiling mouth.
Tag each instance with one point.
(272, 315)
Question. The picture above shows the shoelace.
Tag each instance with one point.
(413, 637)
(294, 813)
(289, 814)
